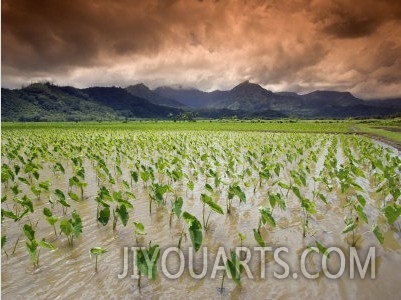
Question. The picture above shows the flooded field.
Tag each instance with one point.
(253, 189)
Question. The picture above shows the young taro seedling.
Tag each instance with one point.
(33, 246)
(207, 200)
(97, 251)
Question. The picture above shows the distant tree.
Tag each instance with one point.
(188, 116)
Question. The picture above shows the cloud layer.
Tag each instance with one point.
(300, 46)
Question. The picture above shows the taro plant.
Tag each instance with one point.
(32, 170)
(266, 217)
(207, 200)
(134, 176)
(79, 182)
(58, 168)
(103, 215)
(42, 186)
(355, 205)
(22, 207)
(234, 268)
(120, 210)
(235, 190)
(146, 261)
(50, 218)
(191, 185)
(308, 208)
(139, 229)
(157, 194)
(392, 212)
(275, 199)
(194, 229)
(97, 252)
(176, 209)
(146, 174)
(378, 234)
(72, 227)
(61, 199)
(7, 174)
(33, 246)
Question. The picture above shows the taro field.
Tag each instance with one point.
(75, 201)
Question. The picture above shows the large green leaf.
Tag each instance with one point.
(139, 228)
(45, 185)
(46, 245)
(209, 187)
(9, 214)
(97, 251)
(74, 196)
(47, 212)
(76, 222)
(29, 232)
(26, 202)
(60, 195)
(296, 191)
(266, 216)
(361, 213)
(233, 266)
(195, 230)
(361, 199)
(52, 220)
(104, 216)
(258, 237)
(377, 232)
(213, 205)
(235, 190)
(66, 227)
(392, 213)
(123, 214)
(309, 206)
(134, 175)
(177, 206)
(283, 185)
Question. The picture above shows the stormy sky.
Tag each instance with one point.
(295, 45)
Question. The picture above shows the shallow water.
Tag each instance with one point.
(69, 273)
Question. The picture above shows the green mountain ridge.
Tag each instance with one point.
(47, 102)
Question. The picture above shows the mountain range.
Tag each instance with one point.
(49, 102)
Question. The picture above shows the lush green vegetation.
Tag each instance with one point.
(287, 125)
(390, 132)
(197, 173)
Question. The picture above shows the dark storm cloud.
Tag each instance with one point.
(302, 44)
(354, 19)
(351, 27)
(52, 34)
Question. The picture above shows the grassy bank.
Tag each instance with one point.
(221, 125)
(390, 133)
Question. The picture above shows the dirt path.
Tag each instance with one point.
(377, 138)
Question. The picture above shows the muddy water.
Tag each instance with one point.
(68, 272)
